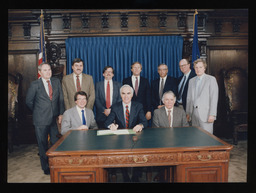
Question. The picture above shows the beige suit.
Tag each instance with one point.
(69, 90)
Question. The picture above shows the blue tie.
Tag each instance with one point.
(83, 118)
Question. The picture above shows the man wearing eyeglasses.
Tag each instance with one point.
(183, 81)
(78, 117)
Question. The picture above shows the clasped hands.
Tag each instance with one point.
(137, 128)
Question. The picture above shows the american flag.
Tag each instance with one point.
(42, 53)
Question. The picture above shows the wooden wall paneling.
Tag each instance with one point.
(219, 59)
(25, 63)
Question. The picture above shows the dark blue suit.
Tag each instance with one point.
(144, 93)
(185, 91)
(100, 100)
(170, 84)
(136, 115)
(45, 112)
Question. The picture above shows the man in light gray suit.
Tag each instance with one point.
(202, 98)
(106, 94)
(169, 115)
(78, 117)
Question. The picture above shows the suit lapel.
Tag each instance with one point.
(76, 115)
(84, 82)
(175, 117)
(72, 83)
(132, 113)
(115, 93)
(41, 85)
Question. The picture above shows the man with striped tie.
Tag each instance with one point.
(130, 115)
(78, 117)
(126, 114)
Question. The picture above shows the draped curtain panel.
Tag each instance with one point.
(121, 51)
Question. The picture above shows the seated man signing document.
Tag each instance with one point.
(78, 117)
(126, 114)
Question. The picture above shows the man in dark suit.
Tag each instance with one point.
(107, 93)
(45, 99)
(161, 85)
(136, 118)
(127, 114)
(183, 82)
(141, 88)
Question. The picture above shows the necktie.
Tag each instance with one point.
(83, 117)
(136, 86)
(108, 96)
(181, 88)
(169, 117)
(161, 91)
(127, 114)
(50, 89)
(78, 87)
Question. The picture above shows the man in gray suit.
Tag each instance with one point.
(106, 94)
(202, 98)
(169, 115)
(78, 117)
(75, 82)
(45, 99)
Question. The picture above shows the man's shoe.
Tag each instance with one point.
(47, 171)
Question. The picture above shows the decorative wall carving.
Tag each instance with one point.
(27, 30)
(104, 20)
(66, 22)
(124, 20)
(236, 25)
(85, 21)
(143, 20)
(162, 20)
(182, 17)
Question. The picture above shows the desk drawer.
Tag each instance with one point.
(204, 156)
(138, 160)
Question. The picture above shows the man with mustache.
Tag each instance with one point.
(78, 81)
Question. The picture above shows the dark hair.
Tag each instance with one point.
(77, 60)
(106, 67)
(80, 93)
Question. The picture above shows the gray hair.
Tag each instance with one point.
(168, 92)
(126, 86)
(40, 66)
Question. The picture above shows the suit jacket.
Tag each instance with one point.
(144, 93)
(208, 97)
(136, 115)
(160, 118)
(69, 90)
(45, 110)
(71, 120)
(185, 91)
(100, 100)
(170, 84)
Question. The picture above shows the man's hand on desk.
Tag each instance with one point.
(83, 127)
(113, 127)
(138, 128)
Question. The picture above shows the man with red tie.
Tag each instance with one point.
(130, 115)
(75, 82)
(142, 90)
(45, 99)
(106, 95)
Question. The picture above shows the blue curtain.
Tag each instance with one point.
(121, 51)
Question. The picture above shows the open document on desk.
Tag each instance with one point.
(117, 132)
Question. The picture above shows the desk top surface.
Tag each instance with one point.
(82, 140)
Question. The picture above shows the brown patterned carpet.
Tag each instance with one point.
(24, 165)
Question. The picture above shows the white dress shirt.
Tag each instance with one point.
(79, 110)
(171, 114)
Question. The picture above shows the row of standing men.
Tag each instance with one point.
(195, 93)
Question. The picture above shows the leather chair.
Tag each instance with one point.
(13, 91)
(236, 91)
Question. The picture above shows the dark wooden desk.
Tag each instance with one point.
(197, 156)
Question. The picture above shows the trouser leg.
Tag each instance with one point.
(42, 140)
(54, 132)
(197, 122)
